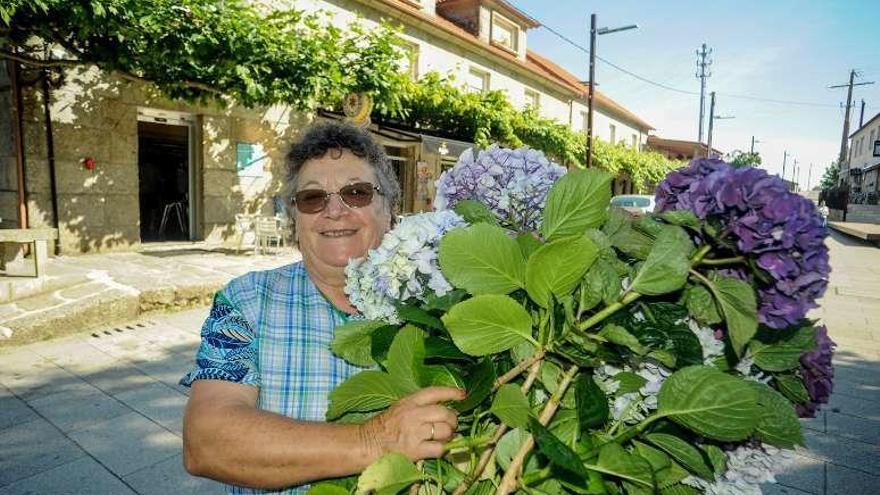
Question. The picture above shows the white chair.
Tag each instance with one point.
(244, 224)
(268, 231)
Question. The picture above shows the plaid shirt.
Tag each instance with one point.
(272, 330)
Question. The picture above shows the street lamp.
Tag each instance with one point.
(594, 33)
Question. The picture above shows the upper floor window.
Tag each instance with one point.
(504, 33)
(612, 134)
(477, 80)
(533, 98)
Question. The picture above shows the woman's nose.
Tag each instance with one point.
(335, 206)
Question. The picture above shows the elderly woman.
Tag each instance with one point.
(264, 370)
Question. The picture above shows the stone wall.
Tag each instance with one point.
(8, 174)
(96, 116)
(863, 213)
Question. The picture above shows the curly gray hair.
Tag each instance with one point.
(322, 137)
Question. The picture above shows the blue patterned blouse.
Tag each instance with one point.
(272, 330)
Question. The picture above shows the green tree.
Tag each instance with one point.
(831, 177)
(209, 49)
(742, 159)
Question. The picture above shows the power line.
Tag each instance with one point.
(671, 88)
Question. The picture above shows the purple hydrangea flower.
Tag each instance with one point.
(782, 230)
(817, 371)
(512, 183)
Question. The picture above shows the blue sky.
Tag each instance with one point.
(783, 50)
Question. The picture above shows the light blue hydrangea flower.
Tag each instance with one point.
(403, 267)
(512, 183)
(747, 468)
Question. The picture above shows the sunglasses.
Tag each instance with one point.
(355, 195)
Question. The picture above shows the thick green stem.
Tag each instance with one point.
(509, 481)
(722, 261)
(516, 370)
(608, 311)
(502, 429)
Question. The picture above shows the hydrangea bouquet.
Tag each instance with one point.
(601, 353)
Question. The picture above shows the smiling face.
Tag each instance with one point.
(329, 238)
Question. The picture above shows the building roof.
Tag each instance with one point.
(538, 66)
(867, 124)
(554, 70)
(506, 8)
(679, 146)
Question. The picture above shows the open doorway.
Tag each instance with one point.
(163, 177)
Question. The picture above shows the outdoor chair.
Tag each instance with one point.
(269, 231)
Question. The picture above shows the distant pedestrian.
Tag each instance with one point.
(823, 210)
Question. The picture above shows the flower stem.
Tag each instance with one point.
(502, 429)
(516, 370)
(608, 311)
(509, 480)
(699, 276)
(722, 261)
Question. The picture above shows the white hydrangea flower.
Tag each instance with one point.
(632, 407)
(747, 467)
(403, 267)
(713, 348)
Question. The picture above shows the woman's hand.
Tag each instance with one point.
(416, 426)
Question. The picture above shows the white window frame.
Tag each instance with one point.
(482, 74)
(507, 25)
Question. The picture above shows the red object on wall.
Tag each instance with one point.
(89, 163)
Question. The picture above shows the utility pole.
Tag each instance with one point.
(590, 93)
(703, 73)
(752, 149)
(845, 137)
(794, 176)
(809, 176)
(712, 118)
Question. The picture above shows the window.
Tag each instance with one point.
(533, 99)
(477, 81)
(249, 157)
(410, 62)
(504, 33)
(612, 133)
(635, 142)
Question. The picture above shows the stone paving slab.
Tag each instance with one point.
(169, 476)
(32, 447)
(74, 478)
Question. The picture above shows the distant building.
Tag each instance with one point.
(862, 170)
(677, 149)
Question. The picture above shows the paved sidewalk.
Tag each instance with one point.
(82, 292)
(100, 412)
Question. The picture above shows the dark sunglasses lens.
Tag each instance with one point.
(310, 200)
(357, 195)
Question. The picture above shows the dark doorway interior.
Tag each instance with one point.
(163, 174)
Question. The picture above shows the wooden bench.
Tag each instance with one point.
(39, 238)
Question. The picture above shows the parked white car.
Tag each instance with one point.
(636, 204)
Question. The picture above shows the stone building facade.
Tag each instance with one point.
(129, 166)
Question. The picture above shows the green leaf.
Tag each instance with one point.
(509, 445)
(439, 375)
(577, 202)
(565, 426)
(443, 348)
(380, 342)
(618, 335)
(710, 403)
(592, 405)
(555, 268)
(482, 259)
(683, 218)
(366, 391)
(478, 383)
(784, 354)
(629, 382)
(528, 244)
(352, 342)
(325, 488)
(419, 316)
(617, 462)
(406, 359)
(778, 423)
(389, 475)
(511, 406)
(475, 212)
(679, 490)
(666, 268)
(664, 357)
(717, 458)
(683, 452)
(624, 237)
(656, 458)
(701, 305)
(792, 387)
(737, 301)
(556, 451)
(488, 324)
